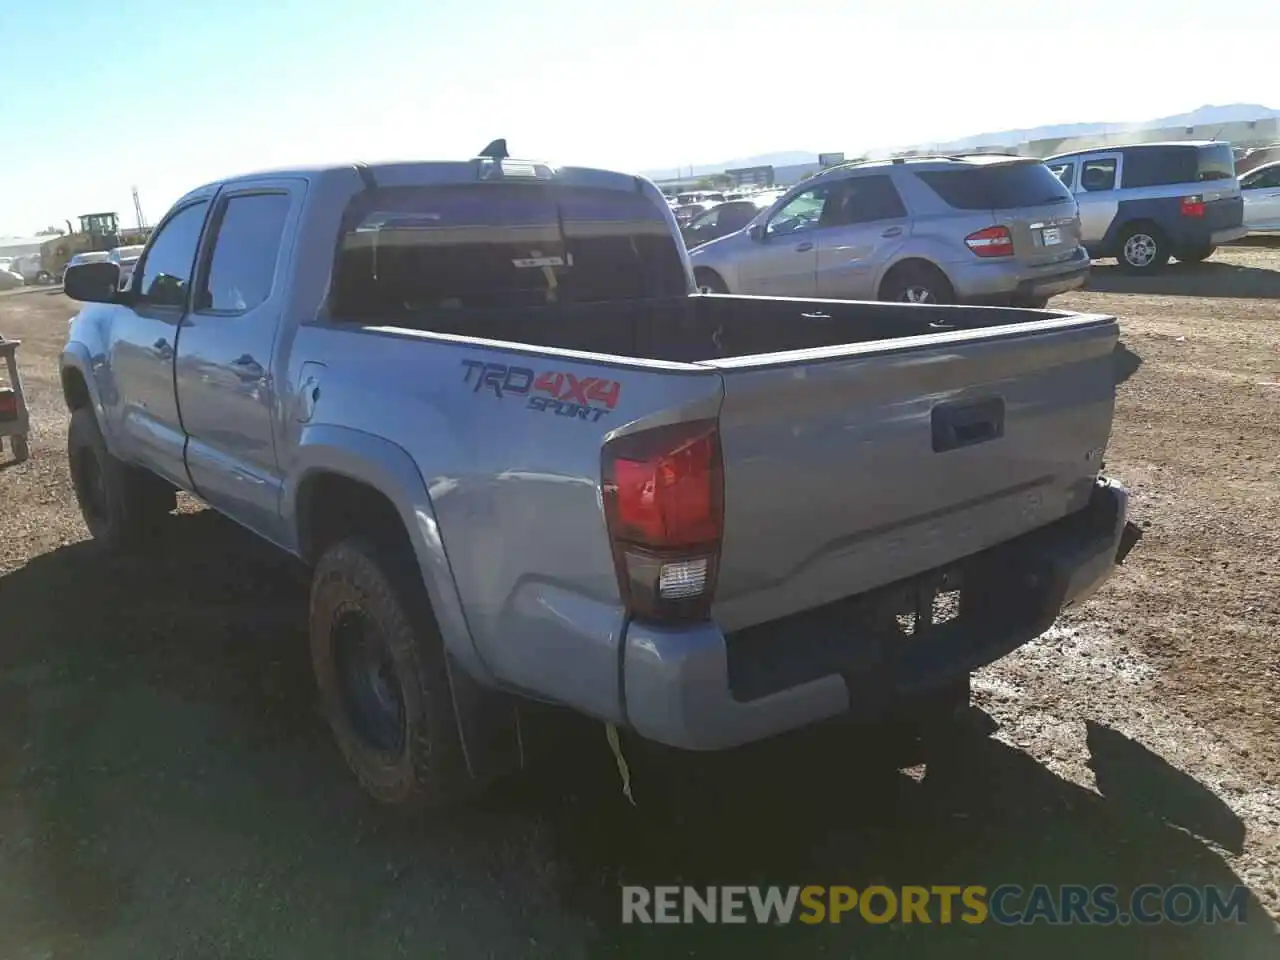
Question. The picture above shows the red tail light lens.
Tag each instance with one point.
(991, 242)
(1192, 206)
(8, 404)
(664, 507)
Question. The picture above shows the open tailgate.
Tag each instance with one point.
(849, 467)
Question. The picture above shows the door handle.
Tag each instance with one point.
(803, 246)
(892, 232)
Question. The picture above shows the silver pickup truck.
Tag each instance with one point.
(529, 465)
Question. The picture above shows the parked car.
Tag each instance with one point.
(126, 257)
(28, 266)
(89, 256)
(1145, 203)
(721, 219)
(1260, 188)
(685, 212)
(533, 466)
(9, 278)
(988, 230)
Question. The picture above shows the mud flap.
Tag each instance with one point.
(488, 725)
(1129, 538)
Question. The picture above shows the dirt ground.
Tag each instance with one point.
(171, 791)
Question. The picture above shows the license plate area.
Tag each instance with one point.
(1050, 236)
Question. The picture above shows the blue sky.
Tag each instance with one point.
(166, 95)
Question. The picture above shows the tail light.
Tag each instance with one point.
(991, 242)
(1192, 206)
(8, 404)
(664, 507)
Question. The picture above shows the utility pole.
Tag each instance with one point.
(137, 209)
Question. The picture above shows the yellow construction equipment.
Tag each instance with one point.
(98, 231)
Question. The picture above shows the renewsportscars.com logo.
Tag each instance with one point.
(1007, 905)
(550, 391)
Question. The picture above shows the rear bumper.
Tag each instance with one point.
(1001, 283)
(698, 689)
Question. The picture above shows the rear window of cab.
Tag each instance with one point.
(496, 246)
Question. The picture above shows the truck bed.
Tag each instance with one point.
(862, 443)
(707, 327)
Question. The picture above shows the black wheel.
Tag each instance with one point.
(1196, 255)
(1032, 303)
(44, 277)
(380, 666)
(1143, 249)
(917, 283)
(710, 282)
(122, 505)
(21, 450)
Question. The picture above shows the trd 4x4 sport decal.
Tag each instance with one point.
(551, 391)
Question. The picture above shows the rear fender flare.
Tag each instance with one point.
(389, 469)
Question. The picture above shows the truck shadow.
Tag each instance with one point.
(1209, 279)
(1126, 362)
(174, 789)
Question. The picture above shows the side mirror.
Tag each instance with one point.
(92, 282)
(756, 232)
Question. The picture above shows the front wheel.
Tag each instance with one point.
(44, 277)
(21, 450)
(380, 666)
(1143, 249)
(710, 282)
(122, 505)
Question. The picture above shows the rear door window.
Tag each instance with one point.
(500, 246)
(242, 270)
(997, 187)
(1098, 173)
(866, 199)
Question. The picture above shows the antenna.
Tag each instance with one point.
(497, 150)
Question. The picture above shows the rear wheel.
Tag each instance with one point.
(380, 666)
(21, 451)
(710, 282)
(44, 277)
(122, 505)
(1143, 249)
(1196, 255)
(916, 282)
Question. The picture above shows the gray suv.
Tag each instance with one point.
(993, 229)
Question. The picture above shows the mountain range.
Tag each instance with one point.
(1206, 116)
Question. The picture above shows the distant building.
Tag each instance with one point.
(17, 246)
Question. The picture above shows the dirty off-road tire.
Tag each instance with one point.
(380, 667)
(122, 505)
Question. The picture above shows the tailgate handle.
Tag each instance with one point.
(965, 424)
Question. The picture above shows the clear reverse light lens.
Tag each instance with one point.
(679, 581)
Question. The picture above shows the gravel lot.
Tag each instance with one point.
(171, 790)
